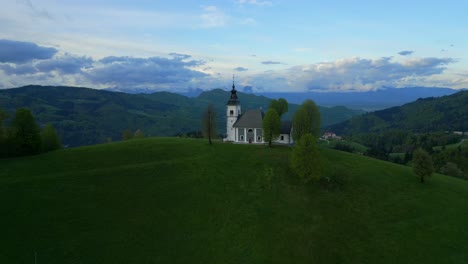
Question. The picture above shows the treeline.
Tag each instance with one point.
(23, 136)
(398, 147)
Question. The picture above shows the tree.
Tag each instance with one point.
(280, 105)
(271, 126)
(139, 134)
(127, 134)
(209, 123)
(306, 120)
(25, 134)
(50, 139)
(422, 164)
(306, 160)
(3, 134)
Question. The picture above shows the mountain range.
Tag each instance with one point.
(368, 100)
(85, 116)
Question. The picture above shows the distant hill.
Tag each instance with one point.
(86, 116)
(170, 200)
(447, 113)
(372, 100)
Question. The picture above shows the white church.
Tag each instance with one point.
(247, 127)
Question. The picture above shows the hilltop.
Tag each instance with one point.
(168, 200)
(86, 116)
(446, 113)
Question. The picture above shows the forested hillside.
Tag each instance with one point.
(447, 113)
(84, 116)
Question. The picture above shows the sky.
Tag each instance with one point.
(269, 46)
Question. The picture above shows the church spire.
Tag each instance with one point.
(233, 86)
(233, 100)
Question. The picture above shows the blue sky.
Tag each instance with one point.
(272, 45)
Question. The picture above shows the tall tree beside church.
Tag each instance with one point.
(271, 126)
(306, 120)
(209, 123)
(25, 134)
(280, 105)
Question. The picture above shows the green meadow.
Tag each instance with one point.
(169, 200)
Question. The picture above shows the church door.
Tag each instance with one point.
(250, 135)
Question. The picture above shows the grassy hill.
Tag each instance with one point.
(447, 113)
(86, 116)
(168, 200)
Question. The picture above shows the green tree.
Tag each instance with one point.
(50, 138)
(139, 134)
(127, 134)
(306, 120)
(209, 123)
(422, 164)
(3, 134)
(280, 105)
(271, 126)
(25, 134)
(306, 160)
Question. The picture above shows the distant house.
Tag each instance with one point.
(330, 135)
(248, 128)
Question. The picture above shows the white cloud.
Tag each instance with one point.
(255, 2)
(213, 17)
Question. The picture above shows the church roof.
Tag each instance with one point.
(250, 119)
(286, 126)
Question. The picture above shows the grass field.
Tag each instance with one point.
(170, 200)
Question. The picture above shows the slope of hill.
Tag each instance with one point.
(183, 201)
(447, 113)
(86, 116)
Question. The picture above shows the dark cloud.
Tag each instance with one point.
(406, 52)
(67, 64)
(241, 69)
(21, 52)
(129, 71)
(271, 62)
(180, 56)
(18, 69)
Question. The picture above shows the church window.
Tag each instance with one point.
(282, 137)
(231, 112)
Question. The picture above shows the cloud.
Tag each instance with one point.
(255, 2)
(66, 64)
(365, 74)
(20, 52)
(271, 62)
(18, 69)
(213, 17)
(241, 69)
(37, 12)
(154, 71)
(406, 52)
(180, 56)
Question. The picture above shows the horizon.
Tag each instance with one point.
(270, 46)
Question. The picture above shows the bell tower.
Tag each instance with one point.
(233, 111)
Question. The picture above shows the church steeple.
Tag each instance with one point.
(233, 100)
